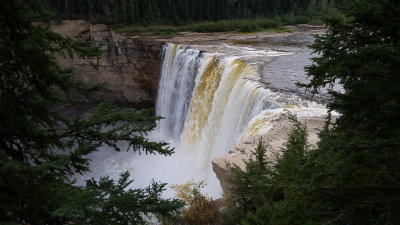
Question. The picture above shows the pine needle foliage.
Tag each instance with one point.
(40, 150)
(250, 187)
(288, 182)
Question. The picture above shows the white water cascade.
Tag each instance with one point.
(209, 102)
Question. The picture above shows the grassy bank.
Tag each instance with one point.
(239, 26)
(236, 25)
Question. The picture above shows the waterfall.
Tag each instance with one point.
(180, 68)
(210, 103)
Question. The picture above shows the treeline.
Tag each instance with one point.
(175, 11)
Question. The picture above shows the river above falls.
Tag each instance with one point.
(279, 60)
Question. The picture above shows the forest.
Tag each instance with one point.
(181, 11)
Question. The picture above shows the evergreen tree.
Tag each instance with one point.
(172, 12)
(249, 187)
(198, 8)
(156, 11)
(288, 181)
(131, 14)
(116, 16)
(137, 11)
(208, 10)
(186, 15)
(40, 150)
(181, 10)
(123, 9)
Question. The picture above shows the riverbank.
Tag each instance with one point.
(195, 38)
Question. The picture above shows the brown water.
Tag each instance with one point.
(279, 59)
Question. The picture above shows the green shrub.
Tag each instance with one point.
(203, 27)
(288, 19)
(249, 26)
(301, 19)
(235, 25)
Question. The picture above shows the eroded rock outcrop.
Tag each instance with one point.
(129, 66)
(275, 138)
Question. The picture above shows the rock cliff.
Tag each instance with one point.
(129, 66)
(274, 138)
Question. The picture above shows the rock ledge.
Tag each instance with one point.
(274, 138)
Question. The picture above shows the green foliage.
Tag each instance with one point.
(288, 19)
(108, 202)
(145, 12)
(236, 25)
(40, 150)
(250, 188)
(205, 27)
(287, 183)
(262, 216)
(289, 168)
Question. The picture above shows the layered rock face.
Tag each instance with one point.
(274, 138)
(129, 66)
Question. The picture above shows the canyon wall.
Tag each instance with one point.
(129, 66)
